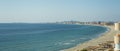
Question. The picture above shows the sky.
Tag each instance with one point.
(37, 11)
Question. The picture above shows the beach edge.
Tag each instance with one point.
(107, 36)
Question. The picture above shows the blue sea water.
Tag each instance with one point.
(45, 37)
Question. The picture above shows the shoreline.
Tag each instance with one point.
(106, 36)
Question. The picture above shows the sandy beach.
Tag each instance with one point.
(107, 36)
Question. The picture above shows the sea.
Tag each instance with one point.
(45, 37)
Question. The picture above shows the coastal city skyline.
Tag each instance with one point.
(36, 11)
(59, 25)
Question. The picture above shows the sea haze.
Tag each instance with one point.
(45, 37)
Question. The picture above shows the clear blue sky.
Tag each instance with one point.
(59, 10)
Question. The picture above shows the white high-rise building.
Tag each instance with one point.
(117, 26)
(117, 42)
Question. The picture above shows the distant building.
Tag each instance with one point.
(117, 42)
(117, 26)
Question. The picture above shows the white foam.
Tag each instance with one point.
(66, 43)
(61, 50)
